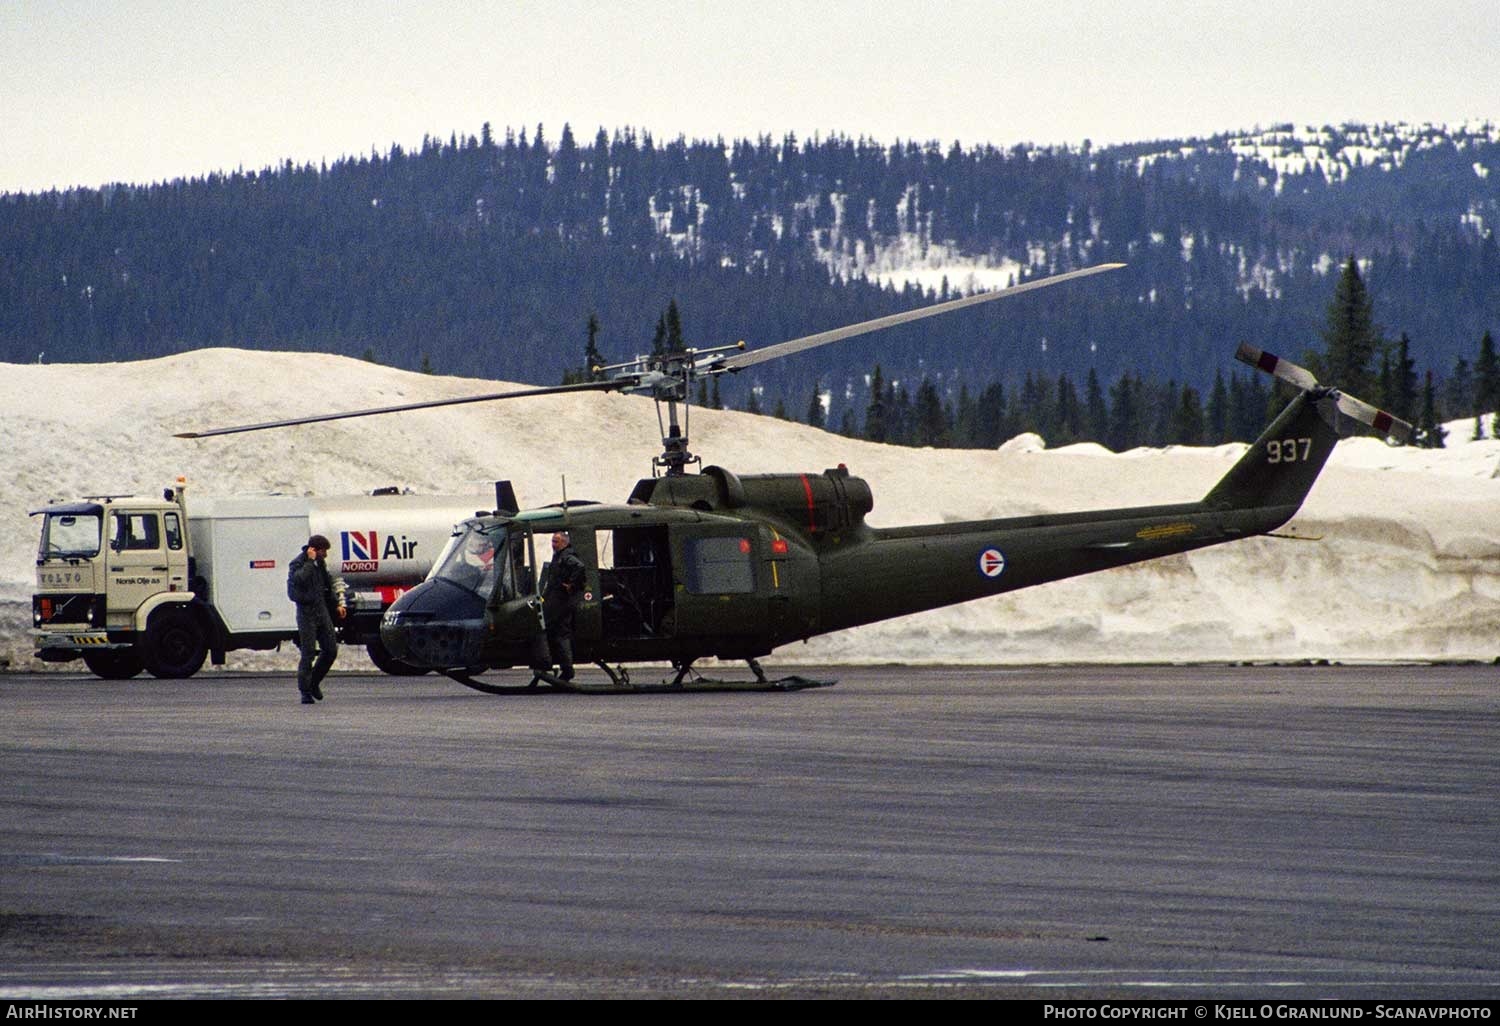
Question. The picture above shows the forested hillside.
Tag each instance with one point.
(487, 256)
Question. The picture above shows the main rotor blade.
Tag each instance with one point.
(586, 386)
(798, 345)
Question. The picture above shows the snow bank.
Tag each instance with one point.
(1400, 557)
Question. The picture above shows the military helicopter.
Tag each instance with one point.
(729, 566)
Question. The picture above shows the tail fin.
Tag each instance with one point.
(1279, 469)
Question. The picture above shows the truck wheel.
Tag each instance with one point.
(113, 663)
(387, 663)
(175, 646)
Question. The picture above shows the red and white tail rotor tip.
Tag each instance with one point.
(1301, 377)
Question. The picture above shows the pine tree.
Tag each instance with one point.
(1349, 336)
(659, 339)
(1385, 384)
(1125, 414)
(875, 412)
(900, 426)
(1187, 422)
(1032, 412)
(1163, 401)
(1487, 378)
(1249, 400)
(1404, 378)
(965, 420)
(815, 415)
(591, 356)
(1430, 432)
(1216, 415)
(674, 342)
(1067, 414)
(1095, 410)
(1458, 390)
(990, 416)
(930, 425)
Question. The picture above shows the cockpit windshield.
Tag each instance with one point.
(481, 558)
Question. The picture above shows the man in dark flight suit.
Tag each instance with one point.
(312, 588)
(565, 584)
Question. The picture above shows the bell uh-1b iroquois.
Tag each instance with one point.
(717, 564)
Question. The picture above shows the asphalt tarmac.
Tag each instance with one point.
(1068, 832)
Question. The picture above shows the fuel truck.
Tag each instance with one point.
(128, 583)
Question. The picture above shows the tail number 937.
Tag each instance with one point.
(1288, 450)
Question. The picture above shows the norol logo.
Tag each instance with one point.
(362, 550)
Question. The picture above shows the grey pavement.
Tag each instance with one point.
(1237, 832)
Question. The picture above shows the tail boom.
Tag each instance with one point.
(904, 570)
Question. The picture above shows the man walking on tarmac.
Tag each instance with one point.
(311, 587)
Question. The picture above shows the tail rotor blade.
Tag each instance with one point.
(1384, 423)
(1300, 377)
(1284, 370)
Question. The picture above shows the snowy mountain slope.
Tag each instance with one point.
(1406, 565)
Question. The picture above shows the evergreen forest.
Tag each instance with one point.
(1366, 250)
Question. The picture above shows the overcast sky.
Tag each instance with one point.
(146, 90)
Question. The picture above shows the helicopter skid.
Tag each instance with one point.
(620, 684)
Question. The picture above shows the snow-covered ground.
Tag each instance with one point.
(1400, 557)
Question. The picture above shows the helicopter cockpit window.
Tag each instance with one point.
(490, 561)
(719, 566)
(474, 560)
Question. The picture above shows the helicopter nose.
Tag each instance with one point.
(437, 625)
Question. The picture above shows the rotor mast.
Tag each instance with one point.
(668, 378)
(674, 458)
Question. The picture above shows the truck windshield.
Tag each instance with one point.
(482, 558)
(67, 535)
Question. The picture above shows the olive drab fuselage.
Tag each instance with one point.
(715, 564)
